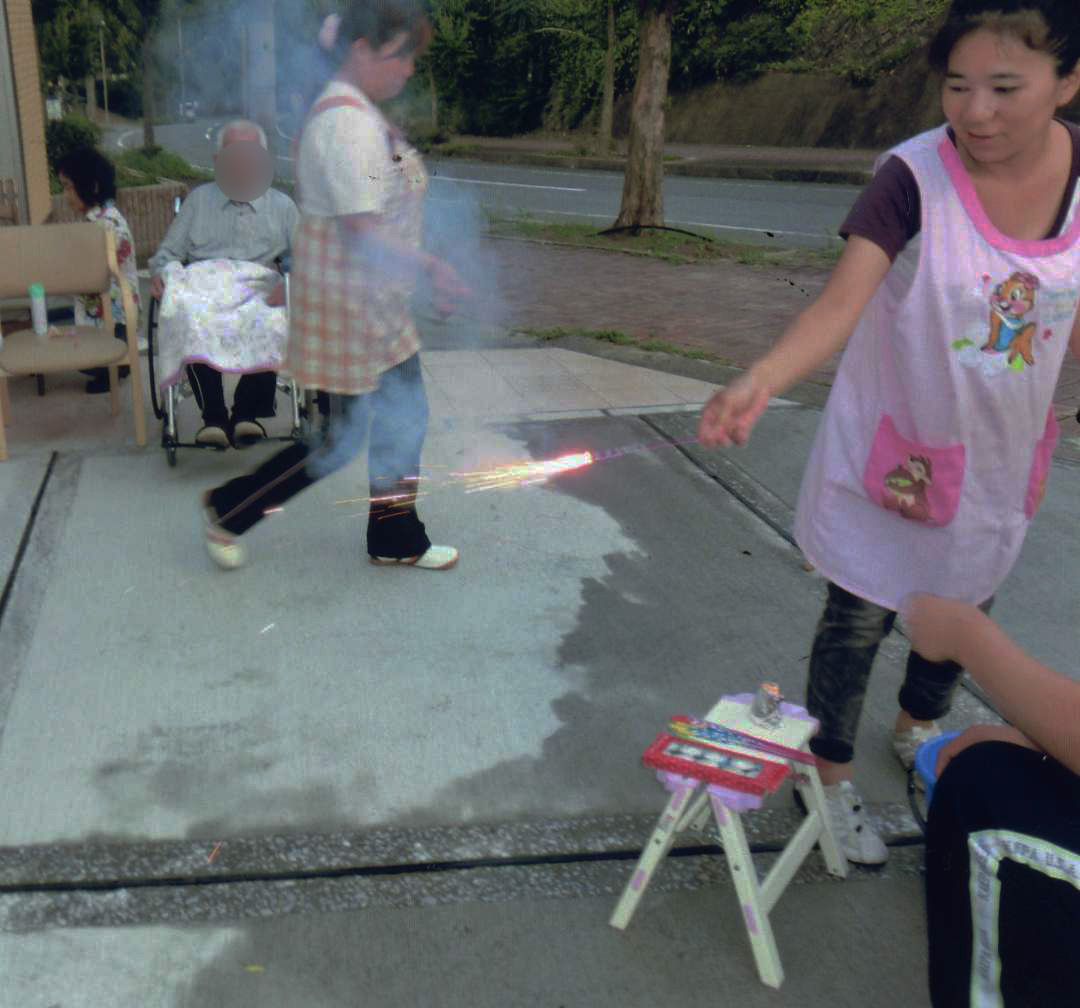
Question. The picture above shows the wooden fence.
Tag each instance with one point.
(148, 210)
(9, 203)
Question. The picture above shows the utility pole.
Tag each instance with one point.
(262, 68)
(180, 45)
(104, 71)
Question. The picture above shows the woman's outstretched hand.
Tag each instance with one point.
(447, 289)
(731, 413)
(936, 626)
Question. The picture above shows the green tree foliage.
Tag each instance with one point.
(62, 136)
(862, 39)
(69, 39)
(731, 39)
(508, 66)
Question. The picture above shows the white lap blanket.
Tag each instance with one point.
(215, 313)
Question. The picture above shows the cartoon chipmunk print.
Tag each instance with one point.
(906, 486)
(1010, 304)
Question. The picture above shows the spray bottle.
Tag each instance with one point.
(37, 311)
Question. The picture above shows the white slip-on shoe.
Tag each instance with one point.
(212, 436)
(223, 547)
(436, 558)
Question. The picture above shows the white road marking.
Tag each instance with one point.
(512, 185)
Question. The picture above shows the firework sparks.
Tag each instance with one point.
(517, 474)
(524, 473)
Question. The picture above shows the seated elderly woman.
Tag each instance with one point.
(218, 316)
(89, 182)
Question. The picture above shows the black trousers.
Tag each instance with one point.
(397, 414)
(1003, 880)
(254, 397)
(845, 645)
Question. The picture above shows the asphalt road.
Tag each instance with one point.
(799, 214)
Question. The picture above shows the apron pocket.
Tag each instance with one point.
(919, 483)
(1040, 466)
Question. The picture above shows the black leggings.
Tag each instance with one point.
(847, 640)
(1003, 880)
(253, 398)
(397, 414)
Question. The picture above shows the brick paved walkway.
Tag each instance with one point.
(730, 310)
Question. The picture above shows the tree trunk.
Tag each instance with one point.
(148, 104)
(434, 98)
(643, 185)
(607, 104)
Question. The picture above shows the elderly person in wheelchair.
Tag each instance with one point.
(221, 295)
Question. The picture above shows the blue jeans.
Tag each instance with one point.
(397, 415)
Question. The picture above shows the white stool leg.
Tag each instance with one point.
(809, 785)
(655, 850)
(744, 876)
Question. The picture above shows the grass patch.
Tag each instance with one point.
(669, 246)
(649, 344)
(478, 150)
(148, 166)
(604, 335)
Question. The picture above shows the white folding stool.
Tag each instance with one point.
(690, 805)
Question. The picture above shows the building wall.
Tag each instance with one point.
(29, 105)
(10, 148)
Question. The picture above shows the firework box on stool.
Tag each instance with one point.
(726, 764)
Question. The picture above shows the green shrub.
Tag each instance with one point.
(147, 166)
(70, 133)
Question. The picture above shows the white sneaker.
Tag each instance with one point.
(907, 743)
(856, 837)
(436, 558)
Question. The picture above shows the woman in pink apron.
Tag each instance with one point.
(358, 257)
(956, 301)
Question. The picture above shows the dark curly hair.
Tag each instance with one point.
(1049, 26)
(92, 175)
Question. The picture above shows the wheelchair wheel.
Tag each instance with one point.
(151, 336)
(170, 455)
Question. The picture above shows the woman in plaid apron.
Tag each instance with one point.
(357, 260)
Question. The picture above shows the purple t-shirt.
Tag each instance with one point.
(888, 212)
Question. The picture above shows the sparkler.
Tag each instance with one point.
(519, 474)
(524, 473)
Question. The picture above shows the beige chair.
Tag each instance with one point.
(67, 259)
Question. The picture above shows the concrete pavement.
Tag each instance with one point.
(313, 782)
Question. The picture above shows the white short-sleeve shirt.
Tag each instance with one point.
(345, 157)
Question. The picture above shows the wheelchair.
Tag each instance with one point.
(165, 406)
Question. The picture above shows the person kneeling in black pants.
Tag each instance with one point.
(1003, 832)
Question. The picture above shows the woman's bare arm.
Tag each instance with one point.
(1040, 703)
(824, 328)
(395, 257)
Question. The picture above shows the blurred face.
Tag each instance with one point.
(72, 196)
(242, 168)
(382, 73)
(1000, 97)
